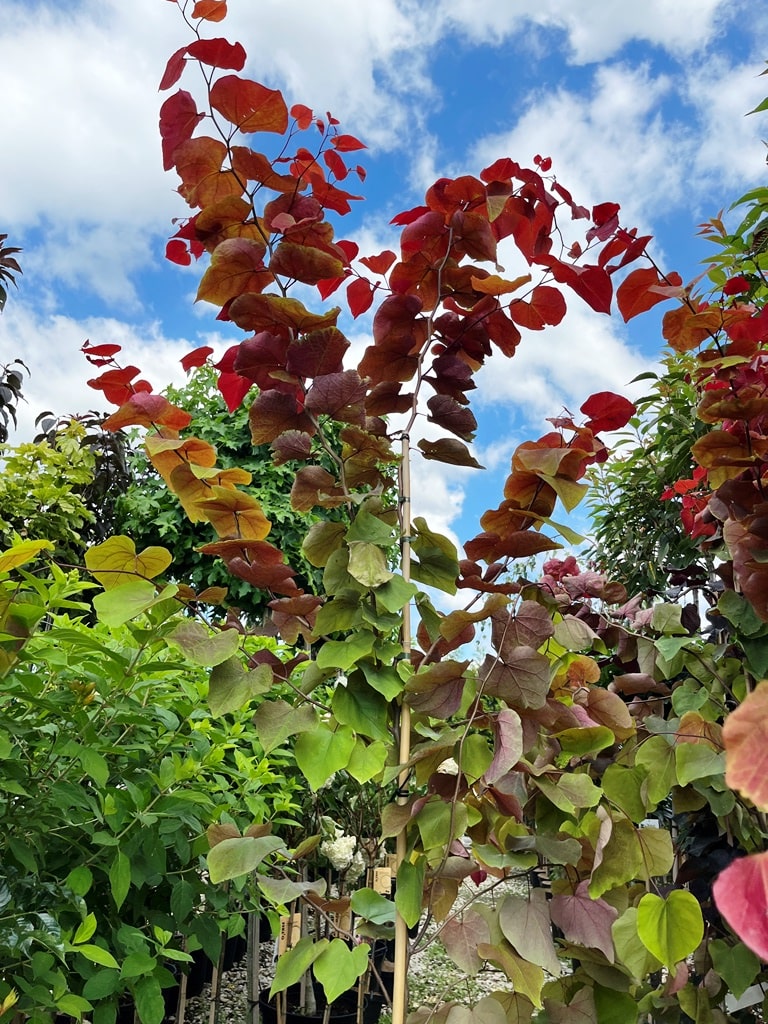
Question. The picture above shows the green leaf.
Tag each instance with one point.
(138, 963)
(342, 612)
(624, 787)
(383, 678)
(438, 564)
(150, 1004)
(97, 955)
(121, 604)
(343, 654)
(697, 761)
(85, 930)
(72, 1005)
(410, 890)
(370, 529)
(276, 720)
(671, 929)
(666, 619)
(338, 967)
(295, 962)
(657, 757)
(79, 880)
(231, 686)
(367, 760)
(281, 891)
(203, 646)
(232, 858)
(629, 949)
(94, 765)
(614, 1007)
(373, 906)
(393, 595)
(323, 752)
(120, 877)
(101, 985)
(361, 708)
(321, 541)
(737, 965)
(440, 822)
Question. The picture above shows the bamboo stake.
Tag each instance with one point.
(253, 955)
(400, 981)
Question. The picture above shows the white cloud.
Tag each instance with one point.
(50, 346)
(561, 367)
(594, 29)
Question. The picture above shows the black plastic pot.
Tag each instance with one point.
(343, 1009)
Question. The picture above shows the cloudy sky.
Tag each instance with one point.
(640, 104)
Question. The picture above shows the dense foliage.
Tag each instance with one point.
(620, 745)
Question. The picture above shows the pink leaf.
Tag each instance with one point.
(584, 920)
(741, 896)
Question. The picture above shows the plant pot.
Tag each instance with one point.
(343, 1009)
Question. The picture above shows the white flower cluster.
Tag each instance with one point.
(343, 854)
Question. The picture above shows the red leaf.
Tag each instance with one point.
(347, 143)
(329, 286)
(741, 896)
(736, 285)
(302, 116)
(118, 384)
(637, 291)
(100, 351)
(546, 308)
(248, 105)
(210, 10)
(379, 264)
(178, 119)
(409, 216)
(218, 53)
(350, 249)
(195, 358)
(233, 389)
(590, 282)
(335, 164)
(359, 296)
(177, 252)
(607, 411)
(173, 70)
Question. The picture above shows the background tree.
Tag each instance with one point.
(150, 513)
(633, 504)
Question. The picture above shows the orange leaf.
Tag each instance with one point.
(252, 312)
(635, 293)
(235, 514)
(167, 453)
(249, 106)
(210, 10)
(305, 263)
(685, 331)
(495, 285)
(236, 268)
(147, 410)
(115, 562)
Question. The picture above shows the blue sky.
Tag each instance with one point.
(641, 105)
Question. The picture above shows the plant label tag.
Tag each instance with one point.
(290, 933)
(382, 881)
(341, 920)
